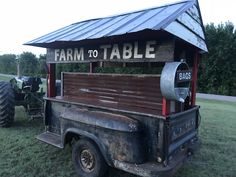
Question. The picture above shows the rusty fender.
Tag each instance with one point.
(118, 137)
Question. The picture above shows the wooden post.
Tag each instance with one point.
(165, 107)
(194, 79)
(92, 66)
(51, 80)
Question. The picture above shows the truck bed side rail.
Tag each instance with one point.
(136, 93)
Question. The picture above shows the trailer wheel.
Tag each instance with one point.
(88, 160)
(7, 104)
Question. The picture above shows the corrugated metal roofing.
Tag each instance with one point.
(182, 19)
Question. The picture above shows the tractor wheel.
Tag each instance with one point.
(88, 160)
(7, 104)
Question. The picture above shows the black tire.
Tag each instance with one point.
(7, 104)
(88, 160)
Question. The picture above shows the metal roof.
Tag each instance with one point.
(181, 19)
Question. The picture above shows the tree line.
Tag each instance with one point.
(217, 69)
(217, 72)
(29, 64)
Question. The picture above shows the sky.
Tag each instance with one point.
(24, 20)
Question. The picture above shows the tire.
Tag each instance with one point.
(87, 159)
(7, 104)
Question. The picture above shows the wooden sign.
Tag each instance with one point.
(183, 76)
(135, 51)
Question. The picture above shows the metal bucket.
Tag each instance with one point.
(172, 88)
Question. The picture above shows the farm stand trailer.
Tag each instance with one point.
(144, 124)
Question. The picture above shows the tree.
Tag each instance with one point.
(29, 64)
(42, 69)
(8, 64)
(68, 67)
(218, 67)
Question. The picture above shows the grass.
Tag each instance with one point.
(5, 78)
(217, 156)
(22, 155)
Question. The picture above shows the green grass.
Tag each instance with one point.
(217, 156)
(5, 78)
(22, 155)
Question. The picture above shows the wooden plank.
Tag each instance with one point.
(125, 84)
(193, 11)
(191, 24)
(120, 85)
(127, 104)
(112, 87)
(117, 98)
(51, 80)
(120, 94)
(131, 93)
(153, 50)
(156, 111)
(194, 80)
(165, 107)
(99, 85)
(179, 30)
(115, 80)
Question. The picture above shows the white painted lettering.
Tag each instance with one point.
(127, 51)
(115, 52)
(105, 47)
(69, 55)
(150, 49)
(95, 53)
(62, 55)
(124, 51)
(90, 53)
(57, 54)
(79, 54)
(136, 54)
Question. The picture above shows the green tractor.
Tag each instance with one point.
(20, 91)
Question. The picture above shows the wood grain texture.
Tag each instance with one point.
(137, 93)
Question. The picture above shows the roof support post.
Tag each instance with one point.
(165, 107)
(92, 66)
(194, 80)
(51, 80)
